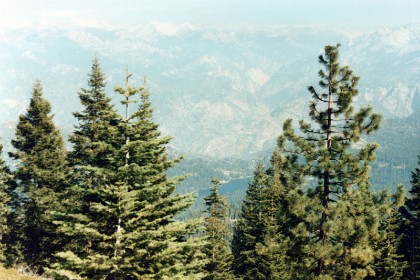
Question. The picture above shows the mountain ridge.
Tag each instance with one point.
(219, 90)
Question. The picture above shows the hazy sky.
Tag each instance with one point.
(371, 13)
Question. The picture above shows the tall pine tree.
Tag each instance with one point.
(217, 249)
(41, 178)
(341, 216)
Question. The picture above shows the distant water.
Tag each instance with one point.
(233, 188)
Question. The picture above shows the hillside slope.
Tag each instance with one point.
(219, 90)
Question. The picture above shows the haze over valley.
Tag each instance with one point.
(220, 90)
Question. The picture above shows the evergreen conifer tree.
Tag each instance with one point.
(5, 181)
(249, 229)
(278, 245)
(40, 177)
(263, 238)
(129, 221)
(218, 236)
(95, 140)
(341, 217)
(158, 242)
(410, 229)
(389, 263)
(94, 136)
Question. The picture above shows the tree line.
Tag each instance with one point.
(107, 208)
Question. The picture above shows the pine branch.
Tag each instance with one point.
(315, 94)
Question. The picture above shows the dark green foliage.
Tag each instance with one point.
(340, 214)
(263, 238)
(95, 135)
(283, 191)
(16, 224)
(272, 247)
(94, 140)
(40, 178)
(124, 223)
(249, 230)
(5, 181)
(217, 249)
(146, 221)
(389, 264)
(410, 229)
(113, 212)
(147, 216)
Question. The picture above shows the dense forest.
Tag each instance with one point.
(113, 206)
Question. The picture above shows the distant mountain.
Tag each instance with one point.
(219, 90)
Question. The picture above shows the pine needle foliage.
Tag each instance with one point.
(153, 242)
(340, 219)
(278, 245)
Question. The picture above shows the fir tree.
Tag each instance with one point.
(340, 220)
(40, 178)
(263, 238)
(283, 187)
(249, 230)
(129, 221)
(218, 236)
(5, 181)
(389, 263)
(94, 136)
(147, 226)
(95, 140)
(410, 227)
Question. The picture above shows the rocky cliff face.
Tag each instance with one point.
(219, 90)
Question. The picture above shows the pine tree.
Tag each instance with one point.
(218, 235)
(40, 178)
(5, 181)
(410, 229)
(340, 220)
